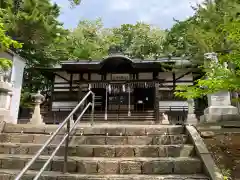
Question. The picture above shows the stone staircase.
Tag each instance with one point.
(103, 152)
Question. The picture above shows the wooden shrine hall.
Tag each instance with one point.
(123, 87)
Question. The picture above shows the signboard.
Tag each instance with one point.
(220, 99)
(120, 77)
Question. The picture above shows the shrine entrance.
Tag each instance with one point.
(124, 98)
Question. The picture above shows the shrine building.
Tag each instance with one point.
(124, 88)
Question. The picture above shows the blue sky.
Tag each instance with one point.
(117, 12)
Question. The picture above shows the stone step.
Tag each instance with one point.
(121, 115)
(10, 174)
(104, 150)
(105, 165)
(97, 140)
(99, 129)
(122, 118)
(114, 121)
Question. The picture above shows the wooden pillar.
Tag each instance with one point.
(157, 98)
(174, 81)
(80, 78)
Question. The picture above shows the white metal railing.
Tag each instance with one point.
(64, 139)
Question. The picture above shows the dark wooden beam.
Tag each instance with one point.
(186, 73)
(127, 81)
(61, 77)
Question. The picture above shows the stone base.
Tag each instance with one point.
(165, 121)
(5, 116)
(220, 113)
(34, 123)
(191, 119)
(221, 110)
(36, 120)
(219, 118)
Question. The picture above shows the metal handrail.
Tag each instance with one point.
(65, 138)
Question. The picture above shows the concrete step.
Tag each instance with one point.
(10, 174)
(99, 129)
(103, 150)
(96, 165)
(97, 140)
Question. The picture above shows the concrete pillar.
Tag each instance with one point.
(36, 116)
(191, 117)
(5, 99)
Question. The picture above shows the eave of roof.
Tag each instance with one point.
(160, 60)
(15, 54)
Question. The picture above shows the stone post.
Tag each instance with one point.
(219, 104)
(165, 119)
(37, 117)
(191, 116)
(5, 93)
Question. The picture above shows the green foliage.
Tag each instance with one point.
(140, 40)
(214, 28)
(34, 23)
(74, 2)
(226, 174)
(90, 40)
(5, 43)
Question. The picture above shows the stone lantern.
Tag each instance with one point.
(37, 117)
(5, 93)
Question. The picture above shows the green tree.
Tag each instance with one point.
(34, 23)
(216, 29)
(88, 41)
(140, 40)
(202, 33)
(5, 44)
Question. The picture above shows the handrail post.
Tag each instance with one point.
(93, 107)
(66, 147)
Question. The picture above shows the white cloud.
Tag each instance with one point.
(120, 5)
(156, 11)
(116, 12)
